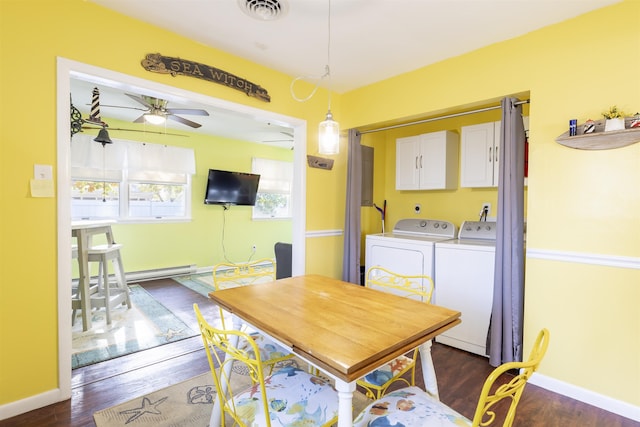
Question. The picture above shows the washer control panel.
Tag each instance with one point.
(426, 227)
(478, 230)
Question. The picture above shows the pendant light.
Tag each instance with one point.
(329, 129)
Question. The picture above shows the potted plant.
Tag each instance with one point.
(614, 119)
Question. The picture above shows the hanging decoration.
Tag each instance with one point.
(157, 63)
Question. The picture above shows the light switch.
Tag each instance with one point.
(43, 171)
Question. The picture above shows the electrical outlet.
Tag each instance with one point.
(486, 207)
(253, 248)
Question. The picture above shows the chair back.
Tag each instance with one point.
(284, 259)
(231, 275)
(288, 397)
(228, 351)
(417, 287)
(491, 395)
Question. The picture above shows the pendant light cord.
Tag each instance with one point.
(327, 70)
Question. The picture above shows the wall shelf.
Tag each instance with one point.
(600, 140)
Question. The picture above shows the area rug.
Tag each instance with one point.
(188, 403)
(145, 325)
(200, 283)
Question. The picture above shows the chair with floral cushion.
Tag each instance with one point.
(231, 275)
(413, 407)
(288, 397)
(417, 287)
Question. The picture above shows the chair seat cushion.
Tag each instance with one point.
(390, 370)
(406, 407)
(270, 352)
(296, 398)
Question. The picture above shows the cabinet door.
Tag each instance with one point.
(478, 154)
(438, 161)
(407, 163)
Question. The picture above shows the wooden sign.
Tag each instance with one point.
(157, 63)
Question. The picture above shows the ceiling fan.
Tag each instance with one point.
(156, 111)
(288, 139)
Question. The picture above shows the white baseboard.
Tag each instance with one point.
(607, 403)
(160, 273)
(30, 403)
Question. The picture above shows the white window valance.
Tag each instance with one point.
(141, 161)
(275, 176)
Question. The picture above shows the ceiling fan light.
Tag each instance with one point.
(329, 136)
(155, 119)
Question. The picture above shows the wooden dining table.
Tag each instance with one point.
(343, 329)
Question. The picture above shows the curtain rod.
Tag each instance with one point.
(433, 119)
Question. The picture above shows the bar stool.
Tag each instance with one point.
(76, 291)
(109, 293)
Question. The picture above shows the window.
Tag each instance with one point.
(129, 180)
(274, 191)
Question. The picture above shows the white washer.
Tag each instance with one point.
(409, 249)
(464, 274)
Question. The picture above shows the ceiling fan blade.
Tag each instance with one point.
(139, 99)
(191, 111)
(122, 106)
(184, 121)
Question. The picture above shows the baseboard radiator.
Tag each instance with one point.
(160, 273)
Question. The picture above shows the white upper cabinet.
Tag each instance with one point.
(427, 162)
(479, 155)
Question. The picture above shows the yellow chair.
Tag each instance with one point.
(411, 406)
(415, 287)
(230, 275)
(288, 397)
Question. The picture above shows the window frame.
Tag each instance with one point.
(288, 194)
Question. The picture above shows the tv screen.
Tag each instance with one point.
(231, 188)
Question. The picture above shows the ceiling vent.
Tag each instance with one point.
(264, 10)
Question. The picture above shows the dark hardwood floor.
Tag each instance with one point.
(460, 378)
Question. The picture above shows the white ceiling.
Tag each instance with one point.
(371, 40)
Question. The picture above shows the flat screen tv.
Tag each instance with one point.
(231, 188)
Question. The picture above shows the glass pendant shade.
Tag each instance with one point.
(329, 136)
(154, 119)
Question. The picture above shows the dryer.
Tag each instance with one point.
(464, 274)
(409, 248)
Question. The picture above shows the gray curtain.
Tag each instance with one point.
(352, 231)
(505, 332)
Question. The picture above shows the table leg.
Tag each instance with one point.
(428, 371)
(345, 402)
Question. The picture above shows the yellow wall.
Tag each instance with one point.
(456, 205)
(84, 32)
(584, 202)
